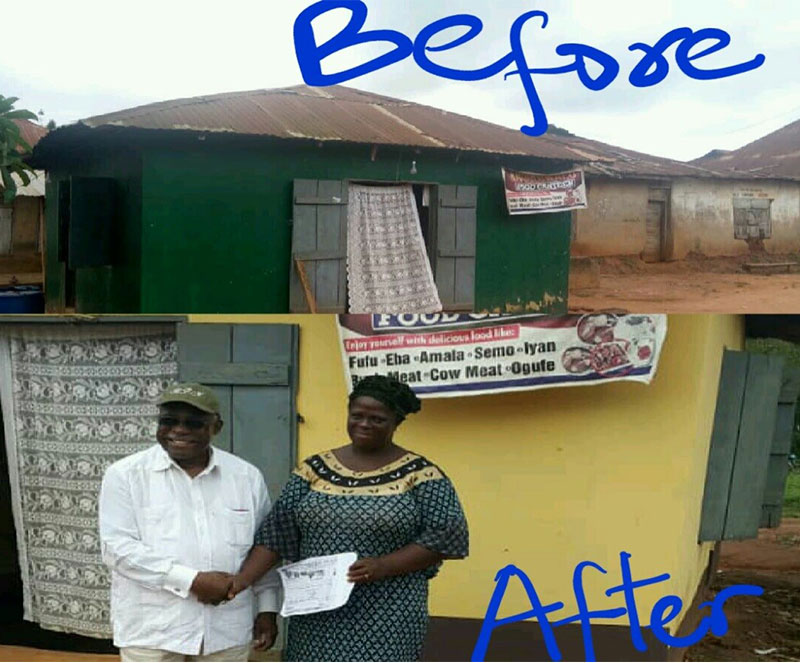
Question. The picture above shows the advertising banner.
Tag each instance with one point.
(445, 355)
(534, 193)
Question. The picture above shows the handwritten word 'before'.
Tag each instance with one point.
(664, 611)
(651, 69)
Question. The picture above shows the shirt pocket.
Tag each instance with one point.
(239, 526)
(239, 534)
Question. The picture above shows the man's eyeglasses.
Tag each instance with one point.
(192, 423)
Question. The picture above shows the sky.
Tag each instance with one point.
(81, 58)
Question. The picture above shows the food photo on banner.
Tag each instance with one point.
(595, 487)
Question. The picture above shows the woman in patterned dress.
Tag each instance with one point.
(394, 508)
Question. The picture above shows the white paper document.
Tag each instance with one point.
(316, 584)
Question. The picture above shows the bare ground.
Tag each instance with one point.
(8, 653)
(767, 627)
(696, 285)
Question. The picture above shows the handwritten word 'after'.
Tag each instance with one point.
(663, 612)
(651, 69)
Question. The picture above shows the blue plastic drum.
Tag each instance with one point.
(21, 299)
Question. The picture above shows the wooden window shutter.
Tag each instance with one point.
(778, 469)
(92, 220)
(253, 371)
(740, 451)
(319, 242)
(456, 227)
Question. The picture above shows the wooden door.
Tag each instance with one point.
(656, 222)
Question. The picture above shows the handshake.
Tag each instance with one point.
(215, 587)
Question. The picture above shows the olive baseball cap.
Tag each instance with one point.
(191, 393)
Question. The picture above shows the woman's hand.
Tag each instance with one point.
(407, 559)
(259, 560)
(368, 569)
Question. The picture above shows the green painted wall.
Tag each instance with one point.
(216, 232)
(99, 289)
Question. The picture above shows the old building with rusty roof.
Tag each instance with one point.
(30, 132)
(662, 209)
(209, 204)
(774, 155)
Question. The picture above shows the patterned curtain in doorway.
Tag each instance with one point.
(388, 270)
(75, 398)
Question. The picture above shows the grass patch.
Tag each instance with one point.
(791, 502)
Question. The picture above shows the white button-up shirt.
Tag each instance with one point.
(159, 528)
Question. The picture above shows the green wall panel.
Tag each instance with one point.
(217, 238)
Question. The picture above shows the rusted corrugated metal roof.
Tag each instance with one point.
(333, 114)
(774, 155)
(619, 162)
(30, 132)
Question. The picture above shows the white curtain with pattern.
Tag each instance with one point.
(388, 270)
(75, 398)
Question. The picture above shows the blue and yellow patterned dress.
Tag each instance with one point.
(327, 509)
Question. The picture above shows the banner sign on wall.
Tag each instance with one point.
(534, 193)
(445, 355)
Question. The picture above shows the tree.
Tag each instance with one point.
(13, 148)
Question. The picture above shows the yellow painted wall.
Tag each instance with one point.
(554, 477)
(723, 331)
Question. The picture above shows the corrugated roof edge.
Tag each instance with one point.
(338, 93)
(301, 90)
(646, 166)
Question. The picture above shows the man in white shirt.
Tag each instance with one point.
(176, 522)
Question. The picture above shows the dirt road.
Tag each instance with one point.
(767, 627)
(696, 285)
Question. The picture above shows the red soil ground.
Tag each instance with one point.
(695, 285)
(767, 627)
